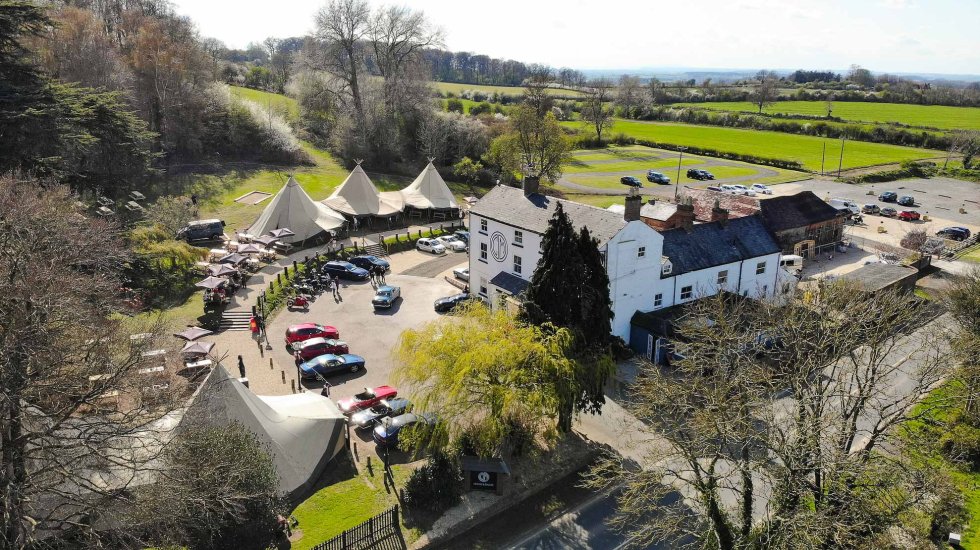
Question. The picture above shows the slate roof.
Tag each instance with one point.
(711, 244)
(511, 283)
(509, 205)
(799, 210)
(661, 211)
(877, 276)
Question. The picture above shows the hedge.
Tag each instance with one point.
(908, 170)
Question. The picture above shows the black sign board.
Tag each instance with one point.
(483, 481)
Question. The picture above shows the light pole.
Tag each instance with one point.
(840, 163)
(677, 182)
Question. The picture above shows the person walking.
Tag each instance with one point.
(381, 274)
(241, 366)
(336, 286)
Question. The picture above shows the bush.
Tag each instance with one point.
(961, 443)
(480, 108)
(454, 105)
(435, 487)
(909, 169)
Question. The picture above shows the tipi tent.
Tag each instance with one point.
(293, 208)
(429, 190)
(358, 196)
(303, 431)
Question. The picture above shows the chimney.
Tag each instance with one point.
(633, 204)
(531, 185)
(719, 214)
(685, 214)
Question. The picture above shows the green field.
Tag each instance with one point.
(932, 116)
(508, 90)
(805, 149)
(283, 105)
(577, 167)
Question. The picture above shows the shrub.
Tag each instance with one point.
(435, 487)
(454, 105)
(961, 443)
(480, 108)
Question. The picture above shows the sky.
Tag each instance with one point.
(910, 36)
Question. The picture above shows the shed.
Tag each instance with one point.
(876, 277)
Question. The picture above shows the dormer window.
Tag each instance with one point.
(665, 266)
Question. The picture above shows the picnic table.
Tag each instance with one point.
(133, 206)
(137, 196)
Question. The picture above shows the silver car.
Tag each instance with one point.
(367, 418)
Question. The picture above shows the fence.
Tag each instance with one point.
(367, 534)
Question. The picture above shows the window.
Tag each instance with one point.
(760, 268)
(517, 264)
(641, 252)
(658, 300)
(483, 225)
(483, 286)
(765, 290)
(723, 277)
(687, 292)
(786, 287)
(483, 251)
(518, 237)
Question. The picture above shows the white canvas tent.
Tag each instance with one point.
(429, 190)
(303, 432)
(358, 196)
(293, 208)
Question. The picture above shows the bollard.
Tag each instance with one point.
(279, 278)
(270, 364)
(292, 385)
(283, 373)
(295, 269)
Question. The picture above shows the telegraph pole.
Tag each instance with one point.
(840, 164)
(677, 182)
(823, 158)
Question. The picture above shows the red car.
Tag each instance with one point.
(366, 399)
(305, 331)
(315, 347)
(908, 215)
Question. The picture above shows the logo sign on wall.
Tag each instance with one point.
(486, 481)
(498, 246)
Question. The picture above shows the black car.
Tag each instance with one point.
(449, 303)
(701, 175)
(462, 236)
(345, 270)
(368, 262)
(906, 200)
(631, 181)
(888, 196)
(657, 177)
(955, 233)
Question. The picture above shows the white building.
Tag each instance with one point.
(648, 269)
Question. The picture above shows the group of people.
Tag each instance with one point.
(377, 273)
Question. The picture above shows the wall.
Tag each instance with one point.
(633, 280)
(506, 248)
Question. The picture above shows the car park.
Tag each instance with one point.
(304, 351)
(462, 273)
(329, 363)
(760, 188)
(657, 177)
(700, 175)
(430, 245)
(387, 407)
(386, 431)
(870, 209)
(345, 270)
(631, 181)
(888, 196)
(369, 262)
(366, 399)
(906, 200)
(452, 243)
(386, 296)
(304, 331)
(908, 215)
(955, 233)
(888, 212)
(449, 303)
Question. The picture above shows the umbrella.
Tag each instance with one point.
(265, 240)
(210, 282)
(220, 270)
(197, 348)
(249, 249)
(193, 333)
(281, 232)
(234, 258)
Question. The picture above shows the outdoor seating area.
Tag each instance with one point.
(229, 268)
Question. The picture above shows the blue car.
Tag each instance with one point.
(462, 236)
(386, 430)
(367, 262)
(386, 296)
(329, 363)
(345, 270)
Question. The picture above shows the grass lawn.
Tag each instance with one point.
(973, 255)
(578, 167)
(804, 149)
(284, 105)
(933, 116)
(602, 201)
(457, 88)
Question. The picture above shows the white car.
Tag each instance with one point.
(462, 273)
(452, 243)
(759, 188)
(430, 245)
(730, 189)
(743, 190)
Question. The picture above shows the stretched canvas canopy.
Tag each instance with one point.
(302, 431)
(293, 208)
(358, 196)
(429, 190)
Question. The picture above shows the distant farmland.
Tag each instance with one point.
(934, 116)
(457, 88)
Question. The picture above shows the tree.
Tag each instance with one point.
(657, 91)
(766, 91)
(536, 145)
(594, 109)
(962, 300)
(468, 170)
(914, 239)
(341, 26)
(628, 95)
(966, 143)
(536, 92)
(861, 76)
(487, 377)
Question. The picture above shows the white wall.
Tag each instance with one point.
(529, 252)
(633, 280)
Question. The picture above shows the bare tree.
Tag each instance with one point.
(628, 95)
(766, 91)
(966, 143)
(657, 91)
(536, 92)
(594, 108)
(433, 135)
(342, 26)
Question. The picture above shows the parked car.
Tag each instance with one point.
(345, 270)
(713, 188)
(462, 273)
(386, 296)
(888, 212)
(366, 399)
(198, 230)
(386, 431)
(760, 188)
(305, 331)
(955, 233)
(906, 200)
(657, 177)
(631, 181)
(846, 205)
(449, 303)
(908, 215)
(304, 351)
(870, 209)
(452, 243)
(368, 262)
(387, 407)
(743, 190)
(701, 175)
(888, 196)
(430, 245)
(729, 189)
(329, 363)
(462, 235)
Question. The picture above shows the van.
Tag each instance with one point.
(202, 229)
(845, 204)
(791, 263)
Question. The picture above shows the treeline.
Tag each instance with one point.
(469, 68)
